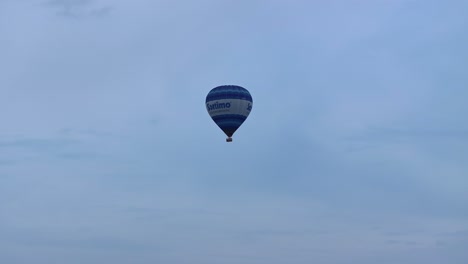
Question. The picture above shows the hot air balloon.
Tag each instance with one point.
(229, 106)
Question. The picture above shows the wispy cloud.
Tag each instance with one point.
(66, 145)
(357, 134)
(78, 8)
(37, 144)
(401, 133)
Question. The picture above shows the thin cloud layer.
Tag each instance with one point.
(355, 148)
(78, 8)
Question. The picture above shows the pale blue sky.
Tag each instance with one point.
(356, 150)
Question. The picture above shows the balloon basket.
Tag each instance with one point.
(229, 139)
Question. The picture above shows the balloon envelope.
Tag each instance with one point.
(229, 106)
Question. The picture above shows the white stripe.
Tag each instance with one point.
(228, 106)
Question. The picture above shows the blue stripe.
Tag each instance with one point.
(220, 96)
(229, 123)
(228, 92)
(229, 118)
(229, 131)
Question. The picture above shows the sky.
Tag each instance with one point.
(356, 149)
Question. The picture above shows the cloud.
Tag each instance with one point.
(36, 144)
(418, 133)
(63, 145)
(67, 239)
(78, 8)
(356, 133)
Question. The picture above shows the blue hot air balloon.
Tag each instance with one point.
(229, 106)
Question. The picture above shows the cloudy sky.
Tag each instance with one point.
(356, 150)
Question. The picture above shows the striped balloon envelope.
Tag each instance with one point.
(229, 106)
